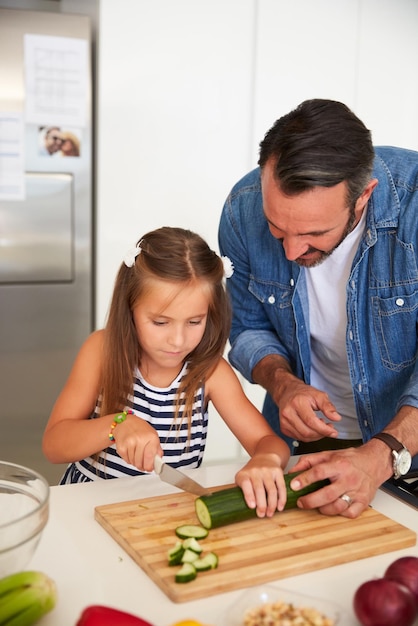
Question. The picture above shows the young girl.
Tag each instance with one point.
(141, 386)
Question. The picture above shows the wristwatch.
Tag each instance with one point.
(401, 455)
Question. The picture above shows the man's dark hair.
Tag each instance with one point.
(319, 144)
(50, 129)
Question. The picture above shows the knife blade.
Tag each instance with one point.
(176, 478)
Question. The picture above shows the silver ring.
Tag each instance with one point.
(347, 499)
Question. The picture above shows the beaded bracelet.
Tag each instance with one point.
(118, 419)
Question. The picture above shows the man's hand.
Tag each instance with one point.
(297, 401)
(298, 404)
(355, 473)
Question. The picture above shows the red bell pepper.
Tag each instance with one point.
(98, 615)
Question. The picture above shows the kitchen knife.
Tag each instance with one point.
(174, 477)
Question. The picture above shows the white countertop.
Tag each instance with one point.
(89, 567)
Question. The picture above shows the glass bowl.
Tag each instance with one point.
(24, 509)
(267, 594)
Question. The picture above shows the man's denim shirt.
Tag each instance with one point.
(270, 302)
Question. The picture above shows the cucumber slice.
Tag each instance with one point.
(191, 543)
(186, 573)
(175, 554)
(189, 556)
(190, 530)
(207, 562)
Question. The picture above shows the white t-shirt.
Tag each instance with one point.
(328, 323)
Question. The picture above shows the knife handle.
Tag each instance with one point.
(158, 464)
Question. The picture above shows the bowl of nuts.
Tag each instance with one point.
(268, 605)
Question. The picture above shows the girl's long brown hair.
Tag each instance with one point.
(177, 256)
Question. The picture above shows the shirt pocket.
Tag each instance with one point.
(276, 299)
(394, 320)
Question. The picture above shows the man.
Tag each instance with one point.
(324, 239)
(52, 141)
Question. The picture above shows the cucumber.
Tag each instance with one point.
(186, 573)
(175, 554)
(191, 543)
(207, 562)
(189, 556)
(190, 530)
(228, 506)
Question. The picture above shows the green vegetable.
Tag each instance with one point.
(191, 543)
(175, 554)
(190, 530)
(207, 562)
(186, 573)
(189, 556)
(228, 506)
(189, 552)
(25, 597)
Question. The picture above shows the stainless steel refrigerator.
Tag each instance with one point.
(45, 220)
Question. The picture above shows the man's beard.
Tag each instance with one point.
(351, 223)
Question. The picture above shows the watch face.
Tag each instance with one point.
(403, 463)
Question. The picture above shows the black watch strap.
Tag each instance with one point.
(401, 455)
(390, 441)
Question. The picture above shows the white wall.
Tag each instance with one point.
(187, 89)
(362, 52)
(175, 83)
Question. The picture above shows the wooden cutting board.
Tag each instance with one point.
(250, 553)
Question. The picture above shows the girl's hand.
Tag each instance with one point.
(137, 443)
(262, 483)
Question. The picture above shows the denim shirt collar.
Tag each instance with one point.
(379, 214)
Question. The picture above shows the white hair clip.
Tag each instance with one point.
(228, 266)
(130, 256)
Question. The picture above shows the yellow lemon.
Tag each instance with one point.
(188, 622)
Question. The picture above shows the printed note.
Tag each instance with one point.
(56, 76)
(12, 180)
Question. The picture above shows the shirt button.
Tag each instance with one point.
(400, 301)
(271, 299)
(292, 282)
